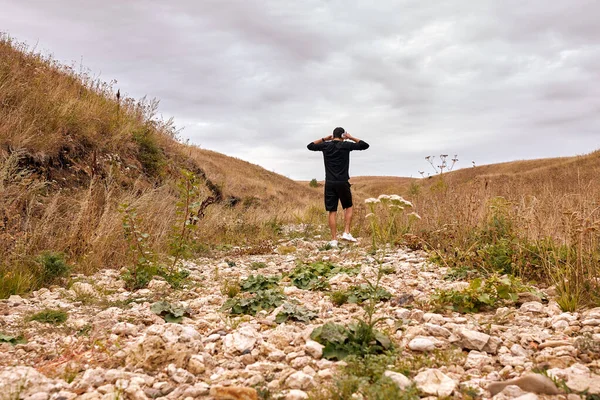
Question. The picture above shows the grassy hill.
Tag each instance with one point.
(72, 153)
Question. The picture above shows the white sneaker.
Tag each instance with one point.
(333, 243)
(348, 236)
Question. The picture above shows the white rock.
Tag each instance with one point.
(402, 313)
(513, 361)
(560, 325)
(125, 329)
(532, 307)
(476, 359)
(179, 375)
(243, 340)
(296, 394)
(435, 383)
(158, 285)
(299, 380)
(473, 340)
(314, 349)
(400, 380)
(421, 344)
(518, 350)
(437, 330)
(528, 396)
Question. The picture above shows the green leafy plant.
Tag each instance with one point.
(251, 303)
(169, 312)
(49, 316)
(143, 266)
(358, 294)
(358, 338)
(294, 312)
(53, 266)
(150, 155)
(492, 292)
(315, 276)
(254, 284)
(257, 265)
(339, 297)
(313, 183)
(14, 340)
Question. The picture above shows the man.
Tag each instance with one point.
(336, 154)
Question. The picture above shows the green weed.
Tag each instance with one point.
(49, 316)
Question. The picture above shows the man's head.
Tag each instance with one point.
(338, 132)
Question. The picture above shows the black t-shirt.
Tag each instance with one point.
(336, 155)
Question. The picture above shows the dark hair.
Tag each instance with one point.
(337, 132)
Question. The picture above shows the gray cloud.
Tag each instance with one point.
(489, 80)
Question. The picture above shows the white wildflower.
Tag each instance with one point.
(384, 197)
(414, 215)
(371, 200)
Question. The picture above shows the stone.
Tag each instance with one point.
(514, 361)
(434, 382)
(493, 345)
(400, 380)
(437, 330)
(532, 307)
(528, 396)
(179, 375)
(162, 345)
(233, 393)
(473, 340)
(296, 394)
(478, 360)
(299, 380)
(314, 349)
(158, 285)
(578, 378)
(534, 383)
(125, 329)
(421, 344)
(196, 364)
(241, 341)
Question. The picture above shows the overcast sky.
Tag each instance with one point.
(489, 80)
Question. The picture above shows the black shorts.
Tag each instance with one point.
(337, 191)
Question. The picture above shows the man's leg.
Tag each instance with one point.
(333, 224)
(347, 219)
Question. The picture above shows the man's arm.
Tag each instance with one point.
(317, 145)
(358, 144)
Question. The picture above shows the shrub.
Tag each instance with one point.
(50, 316)
(53, 266)
(230, 288)
(313, 183)
(339, 297)
(149, 154)
(492, 292)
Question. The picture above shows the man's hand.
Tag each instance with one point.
(350, 137)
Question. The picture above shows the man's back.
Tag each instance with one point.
(336, 155)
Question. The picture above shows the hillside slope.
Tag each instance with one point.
(72, 152)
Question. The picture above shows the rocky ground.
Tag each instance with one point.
(112, 346)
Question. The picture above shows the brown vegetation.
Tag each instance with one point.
(71, 153)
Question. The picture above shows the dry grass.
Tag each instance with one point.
(539, 219)
(70, 154)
